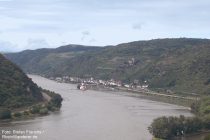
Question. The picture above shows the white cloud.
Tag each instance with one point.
(37, 43)
(7, 47)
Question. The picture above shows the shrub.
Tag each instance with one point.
(206, 121)
(17, 114)
(5, 114)
(50, 106)
(167, 127)
(195, 107)
(43, 111)
(206, 110)
(35, 109)
(56, 100)
(159, 128)
(26, 113)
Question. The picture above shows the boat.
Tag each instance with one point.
(82, 86)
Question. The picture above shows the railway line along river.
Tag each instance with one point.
(95, 115)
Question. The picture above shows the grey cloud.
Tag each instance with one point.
(137, 26)
(92, 40)
(85, 34)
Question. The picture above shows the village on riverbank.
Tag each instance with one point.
(112, 84)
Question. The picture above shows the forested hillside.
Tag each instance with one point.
(181, 65)
(48, 61)
(16, 89)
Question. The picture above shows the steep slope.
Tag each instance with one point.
(177, 64)
(48, 61)
(16, 89)
(181, 65)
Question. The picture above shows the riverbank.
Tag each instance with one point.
(166, 98)
(147, 94)
(51, 102)
(195, 136)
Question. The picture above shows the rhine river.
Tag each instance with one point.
(95, 115)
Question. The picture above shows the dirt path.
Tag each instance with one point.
(46, 96)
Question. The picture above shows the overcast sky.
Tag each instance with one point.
(31, 24)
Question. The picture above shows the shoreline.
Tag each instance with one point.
(41, 108)
(163, 99)
(146, 94)
(197, 134)
(171, 99)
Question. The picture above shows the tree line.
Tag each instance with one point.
(168, 127)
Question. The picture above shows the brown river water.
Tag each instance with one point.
(94, 115)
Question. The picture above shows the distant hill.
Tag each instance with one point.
(16, 89)
(48, 61)
(181, 65)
